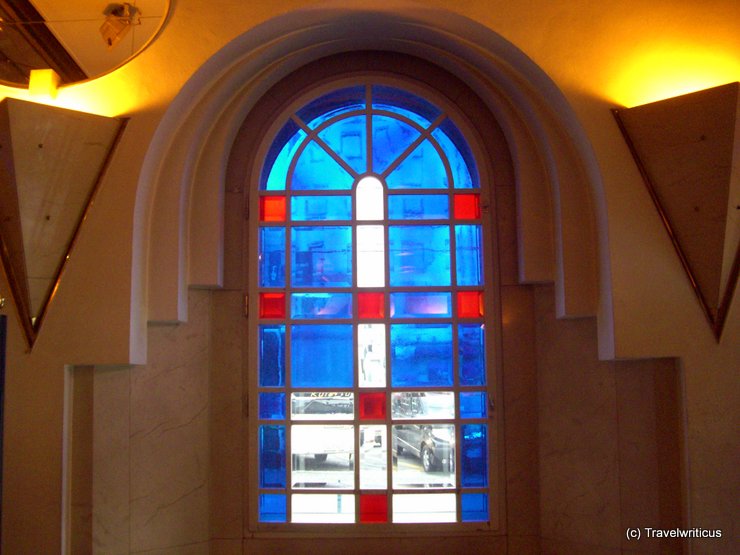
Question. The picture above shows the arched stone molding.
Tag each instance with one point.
(178, 225)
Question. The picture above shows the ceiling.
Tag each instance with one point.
(66, 36)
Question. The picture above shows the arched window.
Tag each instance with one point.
(374, 296)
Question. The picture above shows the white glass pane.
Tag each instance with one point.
(371, 353)
(322, 405)
(418, 507)
(373, 450)
(428, 405)
(423, 456)
(369, 199)
(322, 456)
(370, 256)
(308, 507)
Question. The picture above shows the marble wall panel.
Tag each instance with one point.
(520, 413)
(226, 547)
(233, 241)
(553, 546)
(671, 432)
(199, 548)
(226, 451)
(80, 460)
(111, 461)
(713, 419)
(649, 457)
(578, 433)
(610, 442)
(507, 235)
(523, 545)
(169, 434)
(416, 545)
(637, 447)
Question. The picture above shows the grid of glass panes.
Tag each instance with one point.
(372, 381)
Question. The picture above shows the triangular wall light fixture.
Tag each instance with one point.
(51, 163)
(688, 151)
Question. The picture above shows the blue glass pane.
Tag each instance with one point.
(473, 404)
(404, 103)
(422, 169)
(321, 208)
(331, 105)
(273, 507)
(474, 456)
(277, 162)
(474, 507)
(272, 406)
(469, 254)
(421, 355)
(321, 305)
(471, 354)
(418, 207)
(272, 356)
(272, 256)
(464, 173)
(272, 456)
(317, 171)
(321, 256)
(421, 305)
(347, 137)
(321, 355)
(390, 138)
(419, 255)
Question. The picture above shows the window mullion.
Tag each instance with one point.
(425, 134)
(313, 135)
(369, 127)
(426, 325)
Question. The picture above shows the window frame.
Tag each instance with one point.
(492, 315)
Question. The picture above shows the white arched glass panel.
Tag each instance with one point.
(369, 199)
(370, 256)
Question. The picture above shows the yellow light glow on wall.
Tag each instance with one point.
(106, 96)
(105, 99)
(669, 70)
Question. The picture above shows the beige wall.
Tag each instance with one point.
(139, 464)
(582, 463)
(588, 49)
(609, 442)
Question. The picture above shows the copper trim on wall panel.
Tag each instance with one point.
(716, 322)
(75, 234)
(18, 291)
(12, 253)
(729, 293)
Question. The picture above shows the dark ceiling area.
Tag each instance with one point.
(26, 43)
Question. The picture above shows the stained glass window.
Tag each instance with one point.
(372, 379)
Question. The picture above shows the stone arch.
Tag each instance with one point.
(178, 221)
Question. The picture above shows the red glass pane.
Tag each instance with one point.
(372, 406)
(272, 209)
(272, 305)
(370, 305)
(469, 304)
(373, 508)
(467, 207)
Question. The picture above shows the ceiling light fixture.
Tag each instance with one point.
(43, 83)
(119, 18)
